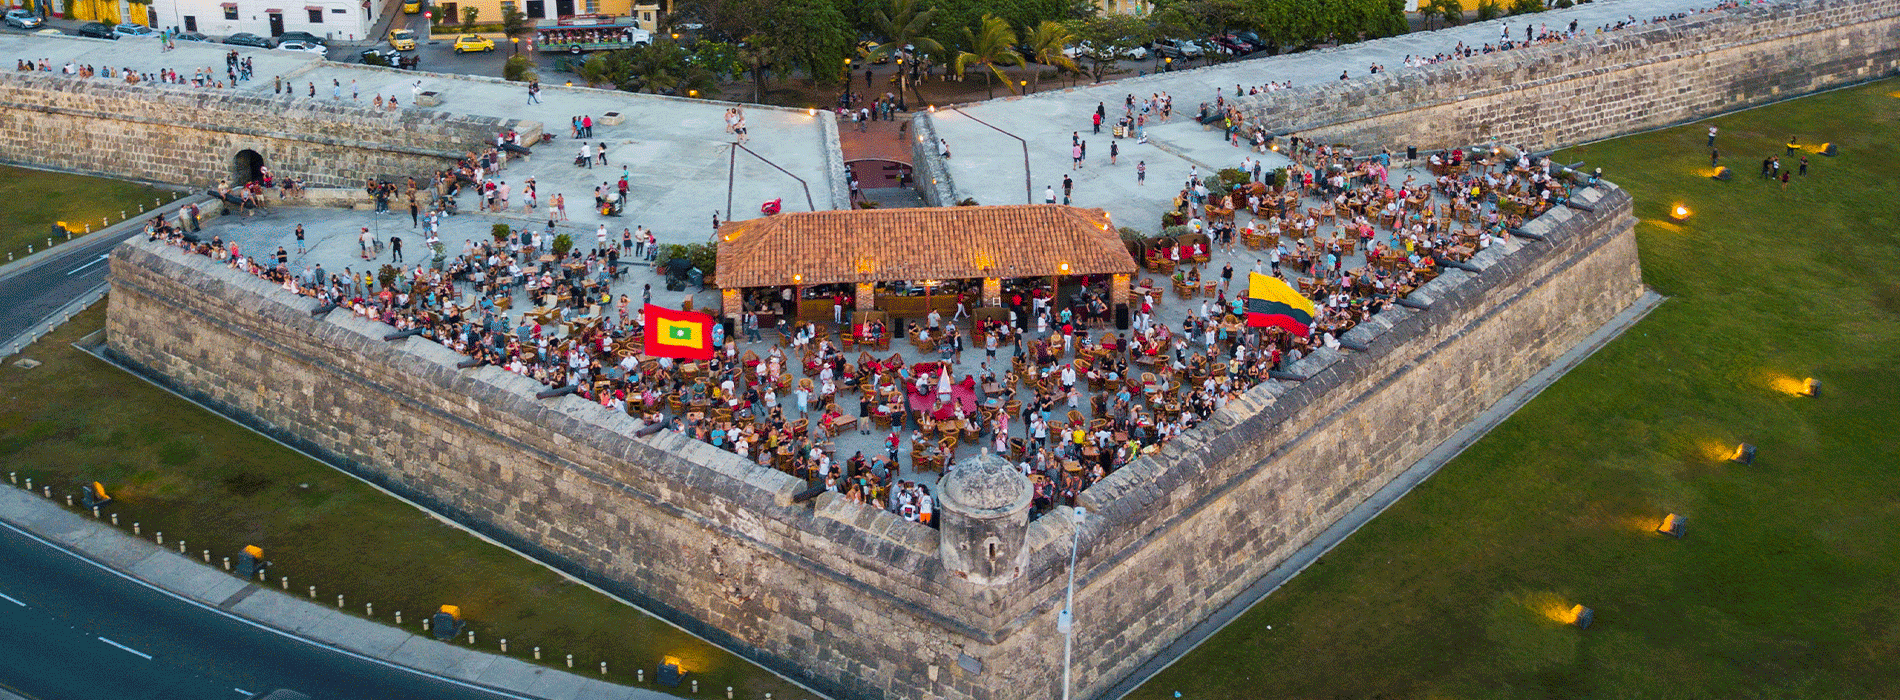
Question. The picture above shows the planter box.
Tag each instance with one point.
(429, 99)
(611, 119)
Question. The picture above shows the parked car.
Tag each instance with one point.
(304, 47)
(305, 37)
(468, 43)
(96, 30)
(1248, 37)
(133, 30)
(1177, 48)
(410, 7)
(1230, 44)
(402, 39)
(1085, 48)
(22, 19)
(249, 39)
(192, 36)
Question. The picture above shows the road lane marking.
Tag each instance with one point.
(243, 692)
(130, 650)
(13, 600)
(95, 261)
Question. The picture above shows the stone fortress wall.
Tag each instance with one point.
(847, 598)
(1582, 90)
(181, 135)
(859, 603)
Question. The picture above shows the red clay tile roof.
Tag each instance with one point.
(883, 245)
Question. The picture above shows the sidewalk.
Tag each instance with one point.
(316, 624)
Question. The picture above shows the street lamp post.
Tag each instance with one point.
(1065, 621)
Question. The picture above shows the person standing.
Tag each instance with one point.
(600, 153)
(300, 246)
(1711, 136)
(1068, 188)
(395, 249)
(415, 212)
(1114, 149)
(1141, 172)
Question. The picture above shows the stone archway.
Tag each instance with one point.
(246, 166)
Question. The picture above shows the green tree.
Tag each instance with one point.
(513, 21)
(905, 25)
(1525, 7)
(662, 67)
(758, 59)
(603, 68)
(518, 69)
(990, 46)
(470, 14)
(808, 35)
(1105, 39)
(1046, 43)
(1489, 10)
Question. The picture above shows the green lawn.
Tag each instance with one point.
(180, 470)
(1788, 582)
(31, 201)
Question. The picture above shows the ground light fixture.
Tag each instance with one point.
(1582, 616)
(1811, 387)
(1721, 173)
(1671, 525)
(1744, 454)
(1679, 213)
(671, 672)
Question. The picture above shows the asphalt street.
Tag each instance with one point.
(73, 630)
(32, 294)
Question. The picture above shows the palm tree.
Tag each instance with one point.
(905, 25)
(1046, 43)
(989, 46)
(758, 58)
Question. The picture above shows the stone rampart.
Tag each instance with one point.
(1600, 86)
(178, 135)
(850, 599)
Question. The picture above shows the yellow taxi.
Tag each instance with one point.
(411, 6)
(468, 43)
(402, 40)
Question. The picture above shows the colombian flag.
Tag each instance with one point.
(1270, 302)
(682, 334)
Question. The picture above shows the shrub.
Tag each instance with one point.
(388, 276)
(1172, 218)
(1174, 232)
(1215, 186)
(1489, 10)
(1233, 176)
(1525, 7)
(704, 256)
(967, 202)
(1564, 4)
(518, 69)
(500, 232)
(375, 59)
(1131, 235)
(562, 244)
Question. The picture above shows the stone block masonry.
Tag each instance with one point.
(1595, 87)
(177, 135)
(849, 599)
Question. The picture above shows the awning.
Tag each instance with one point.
(313, 8)
(228, 5)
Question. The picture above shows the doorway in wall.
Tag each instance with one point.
(246, 166)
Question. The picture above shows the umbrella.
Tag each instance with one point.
(678, 266)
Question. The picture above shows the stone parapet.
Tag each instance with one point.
(179, 135)
(1595, 87)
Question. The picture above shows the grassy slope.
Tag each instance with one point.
(1786, 584)
(35, 199)
(194, 476)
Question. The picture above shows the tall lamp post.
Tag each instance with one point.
(1065, 621)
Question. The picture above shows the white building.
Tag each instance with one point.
(338, 20)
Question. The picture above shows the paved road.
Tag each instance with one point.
(30, 295)
(74, 630)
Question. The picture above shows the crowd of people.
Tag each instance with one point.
(1542, 33)
(237, 70)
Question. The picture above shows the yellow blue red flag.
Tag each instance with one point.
(1271, 302)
